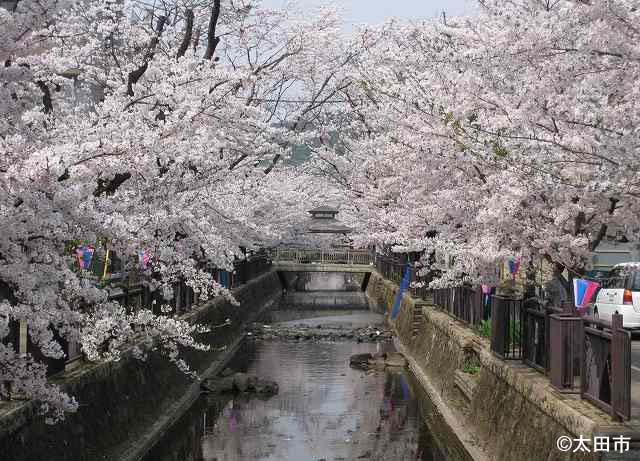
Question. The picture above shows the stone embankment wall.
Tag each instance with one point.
(327, 300)
(120, 401)
(512, 414)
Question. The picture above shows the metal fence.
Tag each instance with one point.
(307, 256)
(390, 267)
(606, 366)
(136, 296)
(248, 269)
(580, 354)
(419, 286)
(536, 332)
(139, 295)
(506, 327)
(464, 303)
(564, 352)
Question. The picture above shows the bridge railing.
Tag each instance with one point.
(306, 256)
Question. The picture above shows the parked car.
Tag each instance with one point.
(620, 293)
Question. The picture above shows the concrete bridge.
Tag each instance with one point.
(323, 279)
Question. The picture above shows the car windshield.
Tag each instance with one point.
(616, 279)
(620, 277)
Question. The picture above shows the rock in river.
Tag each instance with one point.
(386, 359)
(239, 382)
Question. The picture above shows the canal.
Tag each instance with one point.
(324, 409)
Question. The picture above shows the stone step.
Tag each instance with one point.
(466, 383)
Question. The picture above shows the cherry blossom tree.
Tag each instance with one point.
(156, 125)
(510, 132)
(166, 125)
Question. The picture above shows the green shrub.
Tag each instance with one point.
(484, 329)
(514, 332)
(471, 368)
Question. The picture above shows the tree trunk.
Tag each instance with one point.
(188, 32)
(212, 39)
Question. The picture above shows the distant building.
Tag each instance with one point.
(610, 253)
(323, 221)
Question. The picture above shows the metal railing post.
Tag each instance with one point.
(620, 369)
(566, 339)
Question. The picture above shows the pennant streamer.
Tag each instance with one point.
(514, 266)
(84, 255)
(583, 291)
(405, 388)
(143, 259)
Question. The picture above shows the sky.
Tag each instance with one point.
(377, 11)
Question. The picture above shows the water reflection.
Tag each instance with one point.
(324, 411)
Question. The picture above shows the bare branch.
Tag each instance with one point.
(135, 75)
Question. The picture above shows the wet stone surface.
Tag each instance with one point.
(358, 326)
(302, 332)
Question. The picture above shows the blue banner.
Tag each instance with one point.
(225, 279)
(406, 280)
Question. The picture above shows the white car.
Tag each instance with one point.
(620, 292)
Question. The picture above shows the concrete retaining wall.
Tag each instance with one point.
(513, 413)
(119, 401)
(331, 300)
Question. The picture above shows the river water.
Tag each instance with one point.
(324, 410)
